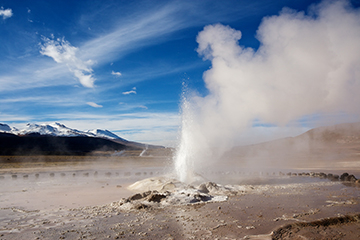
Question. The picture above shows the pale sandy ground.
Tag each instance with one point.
(86, 205)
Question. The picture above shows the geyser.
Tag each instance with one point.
(306, 64)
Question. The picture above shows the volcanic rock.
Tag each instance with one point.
(344, 176)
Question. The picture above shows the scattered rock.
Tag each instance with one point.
(351, 178)
(344, 176)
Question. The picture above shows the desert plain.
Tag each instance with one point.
(88, 197)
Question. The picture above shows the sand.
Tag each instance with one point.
(98, 203)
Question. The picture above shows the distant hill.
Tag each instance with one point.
(35, 144)
(331, 145)
(56, 138)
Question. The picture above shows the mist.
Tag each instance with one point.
(307, 64)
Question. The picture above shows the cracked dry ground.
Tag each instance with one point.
(253, 215)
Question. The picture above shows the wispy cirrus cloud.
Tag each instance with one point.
(117, 74)
(6, 13)
(64, 53)
(133, 91)
(95, 105)
(147, 27)
(144, 29)
(146, 127)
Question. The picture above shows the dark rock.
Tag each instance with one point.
(156, 197)
(139, 206)
(141, 195)
(333, 177)
(351, 178)
(343, 176)
(322, 175)
(136, 197)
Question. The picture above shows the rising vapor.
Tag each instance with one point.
(306, 64)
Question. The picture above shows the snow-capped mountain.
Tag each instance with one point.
(4, 127)
(57, 129)
(53, 129)
(104, 134)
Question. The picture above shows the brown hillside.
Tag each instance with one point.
(331, 146)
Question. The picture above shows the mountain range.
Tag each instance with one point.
(58, 139)
(58, 130)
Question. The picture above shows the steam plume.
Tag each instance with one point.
(306, 64)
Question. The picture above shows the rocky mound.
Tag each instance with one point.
(163, 191)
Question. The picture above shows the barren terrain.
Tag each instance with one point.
(94, 197)
(75, 200)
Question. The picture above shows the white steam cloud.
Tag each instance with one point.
(6, 13)
(306, 64)
(63, 52)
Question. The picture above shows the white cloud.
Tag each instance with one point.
(94, 105)
(148, 27)
(6, 13)
(63, 52)
(143, 106)
(133, 91)
(117, 74)
(146, 127)
(305, 65)
(144, 29)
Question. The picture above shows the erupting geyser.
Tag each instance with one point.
(184, 154)
(306, 64)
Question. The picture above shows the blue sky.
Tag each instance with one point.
(116, 65)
